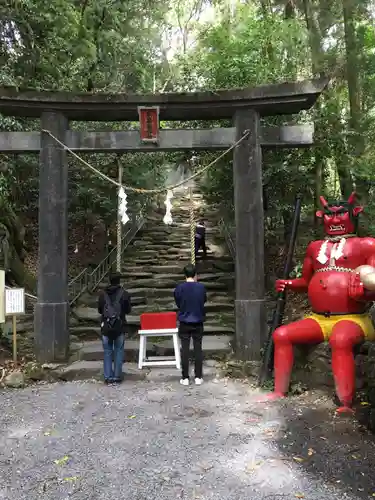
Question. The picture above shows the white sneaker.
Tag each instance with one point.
(184, 381)
(198, 381)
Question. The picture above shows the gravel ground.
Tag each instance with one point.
(157, 440)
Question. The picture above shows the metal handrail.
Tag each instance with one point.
(103, 268)
(227, 233)
(87, 280)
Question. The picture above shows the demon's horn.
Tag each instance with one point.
(323, 201)
(352, 197)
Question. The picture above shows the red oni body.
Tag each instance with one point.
(337, 297)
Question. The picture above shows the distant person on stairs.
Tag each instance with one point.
(113, 305)
(190, 298)
(200, 238)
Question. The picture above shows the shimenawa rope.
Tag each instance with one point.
(141, 190)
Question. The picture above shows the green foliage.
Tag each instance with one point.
(81, 46)
(244, 51)
(117, 46)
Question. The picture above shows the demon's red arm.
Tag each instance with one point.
(300, 284)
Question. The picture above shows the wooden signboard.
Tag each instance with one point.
(14, 306)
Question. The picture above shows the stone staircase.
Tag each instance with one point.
(152, 266)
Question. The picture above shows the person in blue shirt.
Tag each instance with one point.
(190, 298)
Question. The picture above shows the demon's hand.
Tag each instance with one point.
(282, 285)
(356, 289)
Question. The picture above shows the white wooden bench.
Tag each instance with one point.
(174, 360)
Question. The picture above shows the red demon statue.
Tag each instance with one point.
(340, 284)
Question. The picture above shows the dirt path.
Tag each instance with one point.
(158, 440)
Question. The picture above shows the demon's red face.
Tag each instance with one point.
(339, 218)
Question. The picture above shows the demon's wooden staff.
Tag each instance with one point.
(277, 319)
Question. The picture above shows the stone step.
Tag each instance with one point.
(202, 277)
(138, 295)
(171, 242)
(87, 315)
(161, 254)
(224, 266)
(144, 242)
(168, 304)
(212, 281)
(136, 274)
(153, 231)
(142, 263)
(170, 268)
(210, 307)
(161, 260)
(167, 268)
(91, 301)
(218, 260)
(181, 256)
(217, 315)
(167, 286)
(91, 329)
(154, 283)
(161, 296)
(219, 306)
(146, 253)
(213, 346)
(182, 248)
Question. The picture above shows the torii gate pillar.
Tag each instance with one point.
(250, 303)
(51, 323)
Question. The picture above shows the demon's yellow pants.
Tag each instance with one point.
(327, 323)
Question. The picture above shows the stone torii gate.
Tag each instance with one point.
(245, 107)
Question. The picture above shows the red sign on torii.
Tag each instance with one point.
(149, 123)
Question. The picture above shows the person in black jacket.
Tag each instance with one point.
(200, 238)
(113, 305)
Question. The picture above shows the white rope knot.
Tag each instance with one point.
(168, 204)
(122, 206)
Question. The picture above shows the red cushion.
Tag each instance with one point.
(158, 321)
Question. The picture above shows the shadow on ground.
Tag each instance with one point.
(336, 448)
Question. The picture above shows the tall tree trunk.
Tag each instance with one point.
(315, 40)
(350, 12)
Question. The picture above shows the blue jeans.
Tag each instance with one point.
(113, 352)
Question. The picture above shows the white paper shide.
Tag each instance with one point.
(168, 204)
(123, 206)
